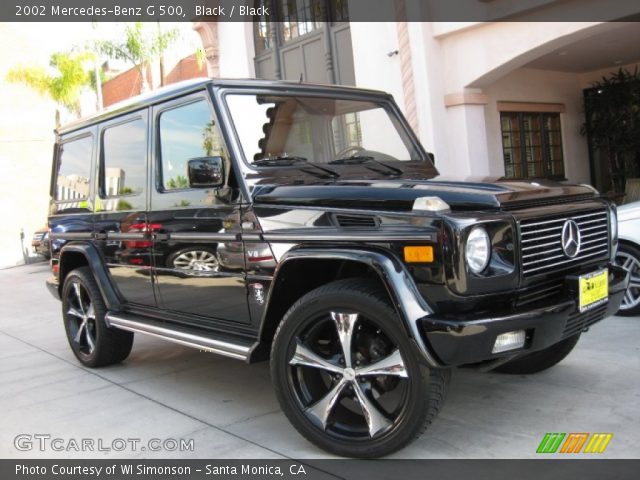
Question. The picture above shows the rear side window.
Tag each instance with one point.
(124, 153)
(74, 167)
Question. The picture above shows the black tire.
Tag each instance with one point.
(538, 361)
(377, 332)
(628, 257)
(83, 311)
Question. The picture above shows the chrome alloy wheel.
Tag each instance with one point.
(348, 376)
(198, 260)
(632, 265)
(81, 319)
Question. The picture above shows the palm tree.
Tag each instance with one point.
(139, 47)
(64, 85)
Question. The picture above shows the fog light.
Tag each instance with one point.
(509, 341)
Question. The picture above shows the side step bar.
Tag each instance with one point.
(133, 323)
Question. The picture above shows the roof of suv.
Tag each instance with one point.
(187, 86)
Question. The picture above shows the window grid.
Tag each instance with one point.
(300, 17)
(295, 18)
(532, 145)
(262, 29)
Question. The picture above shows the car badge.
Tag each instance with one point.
(571, 239)
(258, 292)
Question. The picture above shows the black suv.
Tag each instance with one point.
(306, 225)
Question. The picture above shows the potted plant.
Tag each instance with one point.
(612, 111)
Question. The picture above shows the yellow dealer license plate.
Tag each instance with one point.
(594, 289)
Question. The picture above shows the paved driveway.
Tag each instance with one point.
(164, 391)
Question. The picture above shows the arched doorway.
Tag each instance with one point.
(530, 98)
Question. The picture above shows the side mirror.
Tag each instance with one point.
(432, 157)
(206, 172)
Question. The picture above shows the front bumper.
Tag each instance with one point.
(52, 286)
(470, 339)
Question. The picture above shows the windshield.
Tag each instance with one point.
(276, 129)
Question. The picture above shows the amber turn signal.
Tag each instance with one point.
(418, 254)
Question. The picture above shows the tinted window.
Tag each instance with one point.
(124, 159)
(186, 132)
(74, 165)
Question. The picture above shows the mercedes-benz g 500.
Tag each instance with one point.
(307, 226)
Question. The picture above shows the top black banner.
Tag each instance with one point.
(319, 10)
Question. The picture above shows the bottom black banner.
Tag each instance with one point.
(318, 469)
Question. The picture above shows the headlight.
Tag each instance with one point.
(478, 249)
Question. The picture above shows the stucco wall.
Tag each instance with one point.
(27, 120)
(543, 86)
(530, 85)
(235, 50)
(373, 67)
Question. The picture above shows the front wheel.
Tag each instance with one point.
(346, 376)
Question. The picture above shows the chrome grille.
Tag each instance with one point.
(541, 241)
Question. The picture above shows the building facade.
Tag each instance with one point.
(489, 99)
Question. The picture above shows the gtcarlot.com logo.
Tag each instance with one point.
(44, 442)
(574, 443)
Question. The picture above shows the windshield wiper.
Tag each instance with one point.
(362, 159)
(350, 161)
(293, 161)
(279, 161)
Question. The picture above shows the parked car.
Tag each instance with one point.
(342, 257)
(40, 243)
(628, 255)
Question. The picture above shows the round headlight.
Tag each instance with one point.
(478, 249)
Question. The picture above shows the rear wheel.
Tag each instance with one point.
(538, 361)
(346, 375)
(83, 311)
(628, 257)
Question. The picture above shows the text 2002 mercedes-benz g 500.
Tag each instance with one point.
(306, 225)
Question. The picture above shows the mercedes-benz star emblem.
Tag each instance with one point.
(571, 239)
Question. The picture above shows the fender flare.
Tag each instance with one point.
(406, 298)
(94, 261)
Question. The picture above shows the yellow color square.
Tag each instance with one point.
(423, 254)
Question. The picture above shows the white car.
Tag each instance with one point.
(628, 255)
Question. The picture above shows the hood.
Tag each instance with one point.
(400, 194)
